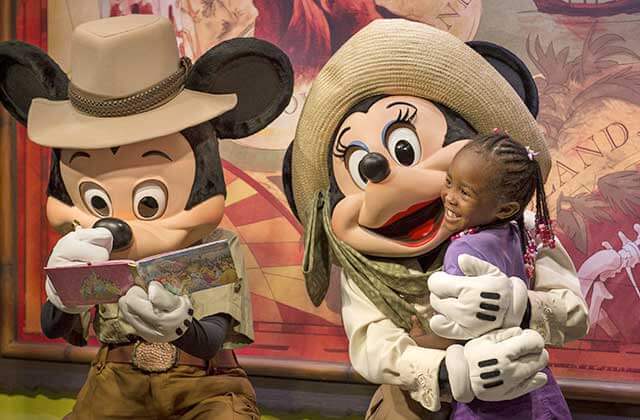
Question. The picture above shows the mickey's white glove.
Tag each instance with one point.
(158, 317)
(75, 248)
(501, 365)
(483, 300)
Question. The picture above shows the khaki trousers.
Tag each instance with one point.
(119, 391)
(391, 403)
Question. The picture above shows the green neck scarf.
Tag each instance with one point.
(382, 282)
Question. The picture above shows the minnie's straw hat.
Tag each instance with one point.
(399, 57)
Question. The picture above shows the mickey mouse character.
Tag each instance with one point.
(135, 162)
(382, 122)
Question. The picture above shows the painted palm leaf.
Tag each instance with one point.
(622, 191)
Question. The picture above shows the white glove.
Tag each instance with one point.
(630, 252)
(501, 365)
(75, 248)
(158, 317)
(483, 300)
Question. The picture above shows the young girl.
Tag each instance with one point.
(489, 184)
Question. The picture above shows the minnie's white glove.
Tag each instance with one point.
(75, 248)
(482, 300)
(158, 317)
(501, 365)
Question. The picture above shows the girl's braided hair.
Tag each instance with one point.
(517, 177)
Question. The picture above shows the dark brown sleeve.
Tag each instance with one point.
(58, 324)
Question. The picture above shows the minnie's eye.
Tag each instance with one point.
(149, 200)
(353, 165)
(96, 199)
(404, 146)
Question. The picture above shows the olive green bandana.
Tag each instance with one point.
(382, 282)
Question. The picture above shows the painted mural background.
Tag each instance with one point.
(585, 56)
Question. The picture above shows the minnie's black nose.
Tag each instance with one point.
(374, 167)
(119, 229)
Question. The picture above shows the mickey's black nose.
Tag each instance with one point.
(374, 167)
(119, 229)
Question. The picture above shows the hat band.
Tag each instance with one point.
(141, 101)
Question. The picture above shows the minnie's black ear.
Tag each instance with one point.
(286, 180)
(27, 72)
(258, 72)
(512, 69)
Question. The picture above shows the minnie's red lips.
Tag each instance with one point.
(413, 209)
(415, 226)
(424, 233)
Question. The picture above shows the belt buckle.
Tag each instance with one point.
(154, 357)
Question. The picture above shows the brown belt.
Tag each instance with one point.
(161, 357)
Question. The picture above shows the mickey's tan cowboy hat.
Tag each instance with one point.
(126, 85)
(399, 57)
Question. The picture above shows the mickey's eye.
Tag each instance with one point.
(404, 146)
(96, 199)
(149, 200)
(353, 159)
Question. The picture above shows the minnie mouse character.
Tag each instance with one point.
(380, 127)
(134, 134)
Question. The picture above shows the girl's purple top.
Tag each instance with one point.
(500, 246)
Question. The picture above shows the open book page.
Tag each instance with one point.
(181, 272)
(192, 269)
(92, 284)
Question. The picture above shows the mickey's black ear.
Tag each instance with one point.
(512, 69)
(286, 180)
(258, 72)
(27, 72)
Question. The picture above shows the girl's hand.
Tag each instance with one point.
(428, 340)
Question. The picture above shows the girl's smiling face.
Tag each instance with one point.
(469, 194)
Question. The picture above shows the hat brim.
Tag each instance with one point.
(58, 124)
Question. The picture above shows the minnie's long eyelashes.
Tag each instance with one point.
(340, 150)
(406, 115)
